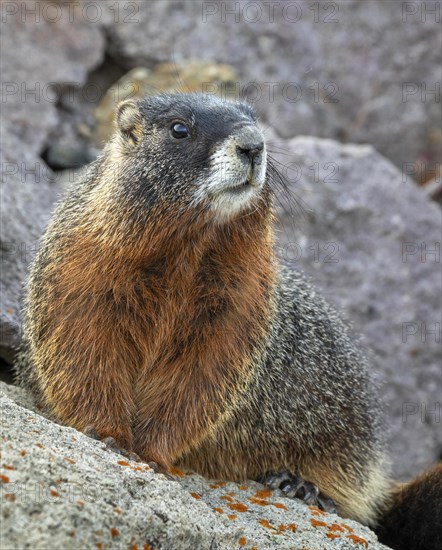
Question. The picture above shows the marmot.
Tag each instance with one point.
(156, 312)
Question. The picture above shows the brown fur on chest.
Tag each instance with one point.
(175, 320)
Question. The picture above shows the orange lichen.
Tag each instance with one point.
(242, 541)
(54, 493)
(357, 540)
(39, 445)
(336, 527)
(195, 495)
(176, 472)
(263, 493)
(23, 453)
(316, 511)
(9, 496)
(265, 523)
(7, 467)
(114, 532)
(259, 501)
(79, 503)
(333, 536)
(349, 529)
(123, 463)
(3, 478)
(147, 546)
(238, 507)
(217, 484)
(279, 505)
(69, 460)
(232, 517)
(317, 523)
(133, 546)
(118, 511)
(243, 487)
(99, 545)
(227, 497)
(219, 510)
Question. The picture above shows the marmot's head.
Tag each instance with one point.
(192, 151)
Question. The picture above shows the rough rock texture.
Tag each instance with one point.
(366, 238)
(41, 57)
(26, 203)
(60, 489)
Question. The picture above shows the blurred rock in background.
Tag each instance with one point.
(350, 71)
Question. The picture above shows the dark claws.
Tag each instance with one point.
(327, 504)
(293, 486)
(91, 432)
(111, 444)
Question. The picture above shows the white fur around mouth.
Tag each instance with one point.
(240, 187)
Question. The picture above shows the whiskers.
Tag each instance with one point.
(291, 205)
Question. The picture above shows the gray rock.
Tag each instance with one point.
(42, 59)
(366, 237)
(60, 489)
(29, 189)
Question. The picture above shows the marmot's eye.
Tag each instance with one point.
(179, 130)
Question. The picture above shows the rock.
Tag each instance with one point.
(29, 190)
(60, 489)
(60, 157)
(356, 71)
(164, 77)
(43, 58)
(372, 242)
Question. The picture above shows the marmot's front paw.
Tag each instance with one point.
(112, 444)
(293, 486)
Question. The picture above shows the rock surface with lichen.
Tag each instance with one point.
(61, 489)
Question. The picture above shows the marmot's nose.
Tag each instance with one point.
(250, 151)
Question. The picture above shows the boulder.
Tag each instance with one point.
(60, 489)
(43, 58)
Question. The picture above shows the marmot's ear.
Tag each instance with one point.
(129, 121)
